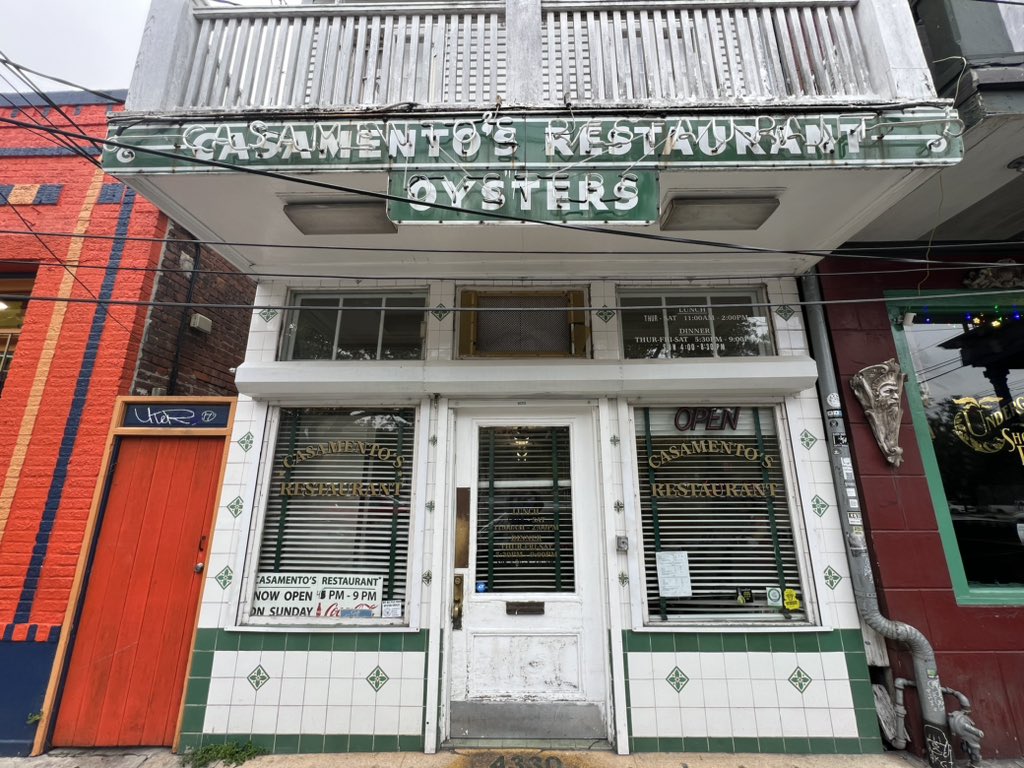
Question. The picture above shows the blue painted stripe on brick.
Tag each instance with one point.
(67, 446)
(44, 152)
(48, 194)
(54, 634)
(111, 194)
(9, 632)
(32, 629)
(5, 191)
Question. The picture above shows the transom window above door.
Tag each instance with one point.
(674, 324)
(355, 326)
(522, 324)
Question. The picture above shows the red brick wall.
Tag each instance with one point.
(979, 649)
(204, 360)
(39, 413)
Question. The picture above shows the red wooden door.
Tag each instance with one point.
(127, 668)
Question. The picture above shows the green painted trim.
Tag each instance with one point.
(315, 743)
(845, 640)
(898, 303)
(749, 745)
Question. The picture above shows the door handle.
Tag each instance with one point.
(457, 603)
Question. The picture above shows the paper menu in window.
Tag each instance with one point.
(674, 574)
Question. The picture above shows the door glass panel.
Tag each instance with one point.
(524, 537)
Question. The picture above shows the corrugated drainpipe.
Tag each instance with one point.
(926, 673)
(172, 379)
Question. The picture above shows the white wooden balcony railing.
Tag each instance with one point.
(461, 54)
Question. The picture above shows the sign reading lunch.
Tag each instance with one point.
(912, 137)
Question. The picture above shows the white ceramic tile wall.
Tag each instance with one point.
(315, 692)
(727, 694)
(740, 694)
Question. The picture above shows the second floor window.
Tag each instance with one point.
(355, 326)
(692, 324)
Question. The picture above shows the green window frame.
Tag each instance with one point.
(900, 304)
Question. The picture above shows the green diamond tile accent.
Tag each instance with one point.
(819, 505)
(440, 311)
(785, 312)
(832, 577)
(246, 441)
(807, 440)
(800, 679)
(258, 677)
(677, 679)
(605, 313)
(225, 576)
(377, 678)
(236, 505)
(268, 314)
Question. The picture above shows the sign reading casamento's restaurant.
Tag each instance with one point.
(600, 168)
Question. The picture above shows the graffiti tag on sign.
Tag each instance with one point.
(317, 596)
(177, 415)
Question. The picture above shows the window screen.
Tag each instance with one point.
(717, 534)
(335, 542)
(522, 324)
(524, 538)
(689, 324)
(355, 327)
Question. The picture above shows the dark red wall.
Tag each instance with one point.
(204, 360)
(980, 650)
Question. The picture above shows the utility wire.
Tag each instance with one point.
(457, 310)
(841, 253)
(16, 70)
(59, 141)
(76, 86)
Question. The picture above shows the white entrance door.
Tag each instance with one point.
(528, 653)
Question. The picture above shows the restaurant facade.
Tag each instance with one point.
(517, 459)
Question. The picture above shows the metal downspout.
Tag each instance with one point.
(926, 674)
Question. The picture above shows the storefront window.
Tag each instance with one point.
(717, 531)
(685, 324)
(969, 370)
(355, 327)
(335, 540)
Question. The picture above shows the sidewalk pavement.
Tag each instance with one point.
(144, 757)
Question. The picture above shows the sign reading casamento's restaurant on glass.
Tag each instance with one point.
(547, 168)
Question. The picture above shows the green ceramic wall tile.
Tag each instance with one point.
(710, 642)
(336, 742)
(368, 642)
(661, 643)
(822, 746)
(742, 745)
(734, 641)
(286, 744)
(321, 641)
(806, 642)
(358, 742)
(250, 641)
(311, 743)
(686, 643)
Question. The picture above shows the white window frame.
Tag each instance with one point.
(411, 617)
(809, 587)
(756, 293)
(287, 343)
